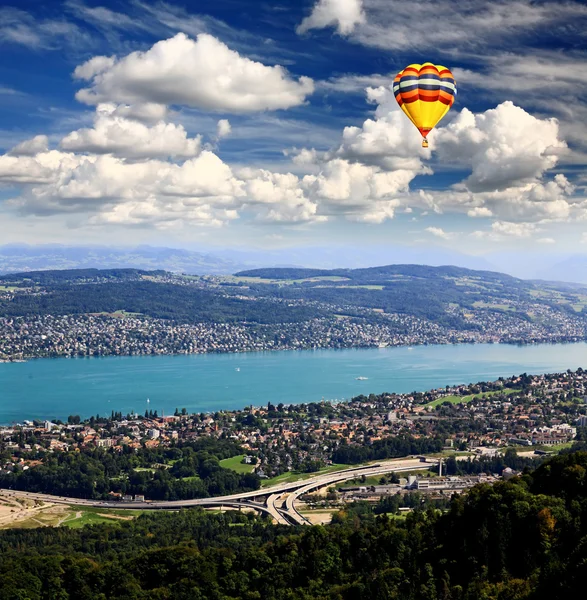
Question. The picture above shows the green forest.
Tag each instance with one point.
(191, 470)
(522, 539)
(280, 295)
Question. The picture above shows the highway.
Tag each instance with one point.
(266, 500)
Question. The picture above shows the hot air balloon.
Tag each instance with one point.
(425, 93)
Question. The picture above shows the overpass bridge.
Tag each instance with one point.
(278, 501)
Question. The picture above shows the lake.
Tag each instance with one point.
(56, 388)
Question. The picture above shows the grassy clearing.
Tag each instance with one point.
(363, 287)
(235, 463)
(504, 307)
(466, 399)
(118, 314)
(231, 279)
(7, 288)
(97, 516)
(72, 517)
(292, 476)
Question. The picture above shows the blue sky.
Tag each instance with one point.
(272, 124)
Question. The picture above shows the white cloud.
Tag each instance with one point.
(504, 146)
(514, 229)
(542, 80)
(502, 230)
(532, 202)
(355, 83)
(22, 28)
(361, 192)
(146, 113)
(43, 168)
(93, 67)
(8, 91)
(546, 240)
(479, 211)
(204, 73)
(344, 14)
(223, 128)
(40, 143)
(113, 134)
(399, 25)
(439, 232)
(284, 199)
(108, 187)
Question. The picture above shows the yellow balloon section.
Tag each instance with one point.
(425, 93)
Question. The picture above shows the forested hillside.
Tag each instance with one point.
(524, 539)
(79, 312)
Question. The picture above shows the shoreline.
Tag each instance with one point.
(520, 343)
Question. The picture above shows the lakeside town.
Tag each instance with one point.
(542, 412)
(121, 334)
(128, 312)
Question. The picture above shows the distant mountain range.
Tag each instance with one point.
(16, 258)
(22, 257)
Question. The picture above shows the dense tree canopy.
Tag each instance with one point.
(522, 539)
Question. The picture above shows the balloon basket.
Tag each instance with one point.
(424, 143)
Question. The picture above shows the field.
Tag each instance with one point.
(27, 514)
(235, 464)
(504, 307)
(466, 399)
(119, 314)
(233, 279)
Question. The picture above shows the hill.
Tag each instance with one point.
(267, 309)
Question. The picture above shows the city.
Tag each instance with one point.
(293, 300)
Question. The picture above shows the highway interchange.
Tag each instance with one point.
(279, 501)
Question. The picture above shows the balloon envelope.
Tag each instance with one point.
(425, 93)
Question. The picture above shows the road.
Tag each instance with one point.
(266, 500)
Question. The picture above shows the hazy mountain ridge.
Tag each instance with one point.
(17, 259)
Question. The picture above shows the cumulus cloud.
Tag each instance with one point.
(532, 202)
(115, 134)
(361, 192)
(479, 211)
(342, 14)
(107, 186)
(40, 143)
(501, 230)
(223, 128)
(109, 189)
(134, 167)
(439, 232)
(279, 195)
(389, 140)
(506, 151)
(202, 73)
(148, 112)
(504, 146)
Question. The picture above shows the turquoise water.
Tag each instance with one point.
(56, 388)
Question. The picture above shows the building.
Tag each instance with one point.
(153, 433)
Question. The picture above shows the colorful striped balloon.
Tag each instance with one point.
(425, 93)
